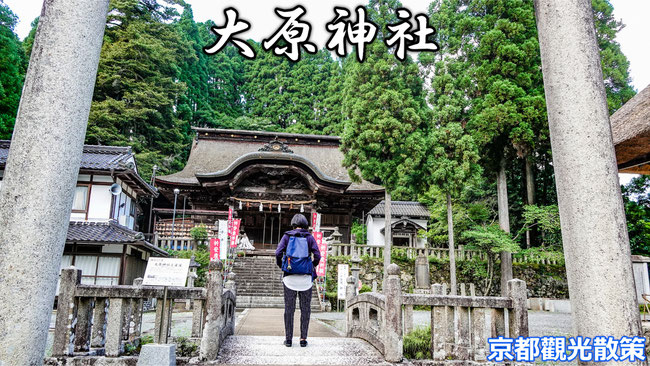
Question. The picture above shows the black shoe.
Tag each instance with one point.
(287, 343)
(303, 343)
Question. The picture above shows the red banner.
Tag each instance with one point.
(314, 220)
(215, 247)
(321, 269)
(234, 235)
(230, 221)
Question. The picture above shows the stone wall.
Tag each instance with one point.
(542, 280)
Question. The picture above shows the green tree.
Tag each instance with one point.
(13, 64)
(384, 136)
(614, 63)
(451, 165)
(636, 198)
(137, 86)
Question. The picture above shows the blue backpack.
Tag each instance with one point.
(296, 259)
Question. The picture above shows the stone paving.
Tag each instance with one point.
(268, 350)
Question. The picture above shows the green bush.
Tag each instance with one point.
(199, 233)
(417, 344)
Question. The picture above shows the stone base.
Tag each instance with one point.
(157, 355)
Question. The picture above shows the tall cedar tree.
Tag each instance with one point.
(12, 71)
(488, 76)
(384, 136)
(451, 165)
(137, 86)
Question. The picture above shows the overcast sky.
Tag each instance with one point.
(633, 38)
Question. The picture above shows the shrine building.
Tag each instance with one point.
(266, 177)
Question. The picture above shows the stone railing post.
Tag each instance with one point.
(114, 327)
(84, 324)
(350, 290)
(213, 301)
(230, 283)
(392, 329)
(438, 327)
(66, 314)
(100, 312)
(137, 311)
(518, 320)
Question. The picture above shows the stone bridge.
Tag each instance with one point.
(97, 324)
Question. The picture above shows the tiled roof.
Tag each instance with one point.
(106, 232)
(102, 158)
(94, 157)
(103, 231)
(401, 208)
(217, 153)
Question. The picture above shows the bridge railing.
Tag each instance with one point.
(96, 320)
(459, 327)
(461, 253)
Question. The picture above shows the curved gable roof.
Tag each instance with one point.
(217, 153)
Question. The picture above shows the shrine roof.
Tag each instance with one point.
(401, 209)
(217, 153)
(107, 232)
(631, 133)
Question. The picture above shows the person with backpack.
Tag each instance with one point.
(294, 257)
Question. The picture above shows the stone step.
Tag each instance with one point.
(250, 301)
(268, 350)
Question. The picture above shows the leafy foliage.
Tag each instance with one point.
(13, 64)
(636, 198)
(385, 117)
(417, 344)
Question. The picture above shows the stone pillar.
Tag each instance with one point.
(350, 293)
(137, 312)
(350, 290)
(422, 276)
(84, 324)
(518, 319)
(42, 169)
(392, 329)
(210, 340)
(66, 313)
(197, 319)
(100, 312)
(438, 327)
(116, 309)
(594, 232)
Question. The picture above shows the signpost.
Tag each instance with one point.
(343, 274)
(166, 272)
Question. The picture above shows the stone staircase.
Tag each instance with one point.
(259, 283)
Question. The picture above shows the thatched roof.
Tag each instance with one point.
(631, 132)
(219, 153)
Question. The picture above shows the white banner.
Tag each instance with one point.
(344, 273)
(223, 236)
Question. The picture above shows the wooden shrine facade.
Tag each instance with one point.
(267, 177)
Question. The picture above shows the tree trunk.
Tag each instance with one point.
(530, 192)
(504, 223)
(387, 232)
(452, 249)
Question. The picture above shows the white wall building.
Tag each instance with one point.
(407, 219)
(102, 238)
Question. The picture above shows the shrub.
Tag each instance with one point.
(417, 344)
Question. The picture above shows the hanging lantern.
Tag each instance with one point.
(261, 209)
(279, 207)
(302, 208)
